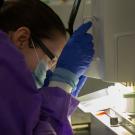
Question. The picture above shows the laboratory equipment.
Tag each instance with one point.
(114, 36)
(123, 124)
(109, 114)
(114, 33)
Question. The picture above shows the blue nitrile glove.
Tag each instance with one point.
(78, 52)
(75, 92)
(48, 76)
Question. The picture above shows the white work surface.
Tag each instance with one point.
(93, 103)
(119, 130)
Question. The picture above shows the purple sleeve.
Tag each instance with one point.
(20, 102)
(23, 109)
(57, 105)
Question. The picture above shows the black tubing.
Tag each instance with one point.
(1, 3)
(73, 15)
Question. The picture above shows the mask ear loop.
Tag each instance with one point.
(35, 50)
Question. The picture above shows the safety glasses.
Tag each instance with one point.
(40, 44)
(71, 22)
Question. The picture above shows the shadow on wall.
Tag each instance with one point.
(93, 85)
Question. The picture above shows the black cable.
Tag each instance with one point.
(73, 15)
(1, 3)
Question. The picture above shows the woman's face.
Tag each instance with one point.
(21, 38)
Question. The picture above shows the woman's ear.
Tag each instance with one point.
(21, 37)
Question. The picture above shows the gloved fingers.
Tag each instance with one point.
(87, 48)
(84, 38)
(83, 28)
(83, 48)
(89, 36)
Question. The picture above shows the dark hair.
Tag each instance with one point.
(42, 21)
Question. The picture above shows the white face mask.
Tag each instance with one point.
(39, 73)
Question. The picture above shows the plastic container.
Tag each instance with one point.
(129, 102)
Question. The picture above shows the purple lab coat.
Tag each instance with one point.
(24, 110)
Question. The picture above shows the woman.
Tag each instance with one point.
(32, 38)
